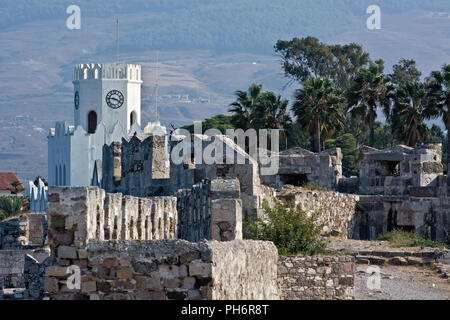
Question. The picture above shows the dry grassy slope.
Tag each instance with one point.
(36, 63)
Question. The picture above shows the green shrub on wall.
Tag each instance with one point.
(289, 228)
(11, 206)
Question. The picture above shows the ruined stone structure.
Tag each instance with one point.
(172, 270)
(210, 210)
(300, 167)
(335, 211)
(403, 188)
(82, 220)
(138, 167)
(141, 167)
(395, 171)
(400, 187)
(316, 278)
(25, 232)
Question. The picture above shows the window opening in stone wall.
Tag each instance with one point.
(297, 180)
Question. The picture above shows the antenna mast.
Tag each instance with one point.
(117, 41)
(156, 84)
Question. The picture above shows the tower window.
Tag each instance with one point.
(92, 122)
(132, 118)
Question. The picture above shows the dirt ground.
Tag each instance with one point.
(403, 283)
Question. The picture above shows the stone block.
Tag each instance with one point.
(51, 285)
(55, 271)
(200, 269)
(89, 286)
(124, 273)
(82, 254)
(66, 252)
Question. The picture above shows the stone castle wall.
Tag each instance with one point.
(210, 210)
(316, 278)
(11, 269)
(194, 213)
(28, 230)
(79, 214)
(335, 211)
(171, 270)
(428, 216)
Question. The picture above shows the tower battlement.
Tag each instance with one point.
(114, 71)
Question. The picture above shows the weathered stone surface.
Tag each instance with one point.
(125, 273)
(398, 261)
(316, 278)
(55, 271)
(335, 211)
(175, 269)
(51, 285)
(66, 252)
(88, 287)
(198, 268)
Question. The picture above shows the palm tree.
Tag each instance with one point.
(10, 206)
(439, 87)
(411, 109)
(271, 111)
(244, 106)
(369, 91)
(318, 107)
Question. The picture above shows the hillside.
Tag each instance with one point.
(232, 25)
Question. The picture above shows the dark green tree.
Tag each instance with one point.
(348, 60)
(16, 187)
(318, 107)
(439, 91)
(369, 91)
(347, 143)
(410, 111)
(405, 71)
(271, 111)
(220, 122)
(244, 107)
(308, 57)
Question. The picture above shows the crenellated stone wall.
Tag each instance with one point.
(316, 277)
(79, 214)
(138, 166)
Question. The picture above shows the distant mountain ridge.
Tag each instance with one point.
(230, 25)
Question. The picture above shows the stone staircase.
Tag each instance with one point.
(398, 257)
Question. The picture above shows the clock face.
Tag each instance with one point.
(76, 100)
(114, 99)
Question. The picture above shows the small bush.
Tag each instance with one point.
(289, 228)
(401, 238)
(10, 206)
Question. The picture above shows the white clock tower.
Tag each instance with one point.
(107, 107)
(107, 94)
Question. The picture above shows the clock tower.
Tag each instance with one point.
(107, 108)
(107, 94)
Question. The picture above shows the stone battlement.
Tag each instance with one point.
(112, 71)
(80, 214)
